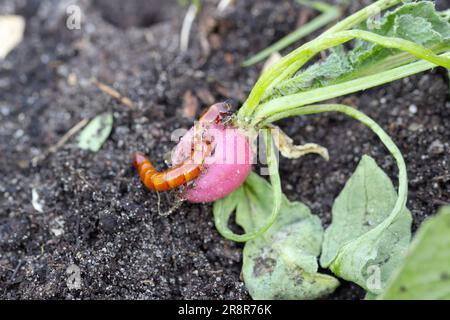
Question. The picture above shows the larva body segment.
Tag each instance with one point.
(190, 168)
(173, 177)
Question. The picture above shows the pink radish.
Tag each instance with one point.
(224, 170)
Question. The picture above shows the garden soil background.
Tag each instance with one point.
(100, 234)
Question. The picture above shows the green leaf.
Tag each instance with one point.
(425, 272)
(288, 65)
(318, 75)
(418, 22)
(370, 296)
(96, 132)
(361, 244)
(282, 262)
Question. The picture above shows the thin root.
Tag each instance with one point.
(186, 27)
(113, 93)
(69, 134)
(223, 5)
(177, 204)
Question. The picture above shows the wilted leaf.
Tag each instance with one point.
(11, 33)
(425, 272)
(281, 263)
(290, 150)
(359, 246)
(96, 132)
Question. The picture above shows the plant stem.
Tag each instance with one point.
(409, 47)
(293, 61)
(400, 203)
(329, 15)
(221, 218)
(271, 110)
(384, 137)
(362, 15)
(307, 51)
(189, 18)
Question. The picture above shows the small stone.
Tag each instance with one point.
(57, 226)
(108, 223)
(38, 204)
(436, 147)
(415, 126)
(72, 79)
(73, 281)
(412, 109)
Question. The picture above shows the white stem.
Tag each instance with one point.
(186, 28)
(223, 5)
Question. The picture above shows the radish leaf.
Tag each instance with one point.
(282, 262)
(364, 244)
(425, 272)
(418, 22)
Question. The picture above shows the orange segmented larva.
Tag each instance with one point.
(173, 177)
(190, 168)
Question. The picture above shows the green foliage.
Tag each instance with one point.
(425, 272)
(282, 263)
(272, 81)
(371, 226)
(370, 232)
(318, 75)
(329, 13)
(96, 132)
(353, 248)
(417, 22)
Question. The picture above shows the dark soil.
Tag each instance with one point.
(96, 214)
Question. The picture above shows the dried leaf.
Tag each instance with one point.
(11, 33)
(96, 132)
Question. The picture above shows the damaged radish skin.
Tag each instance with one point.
(224, 170)
(216, 155)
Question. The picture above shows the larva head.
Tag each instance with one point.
(138, 159)
(216, 113)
